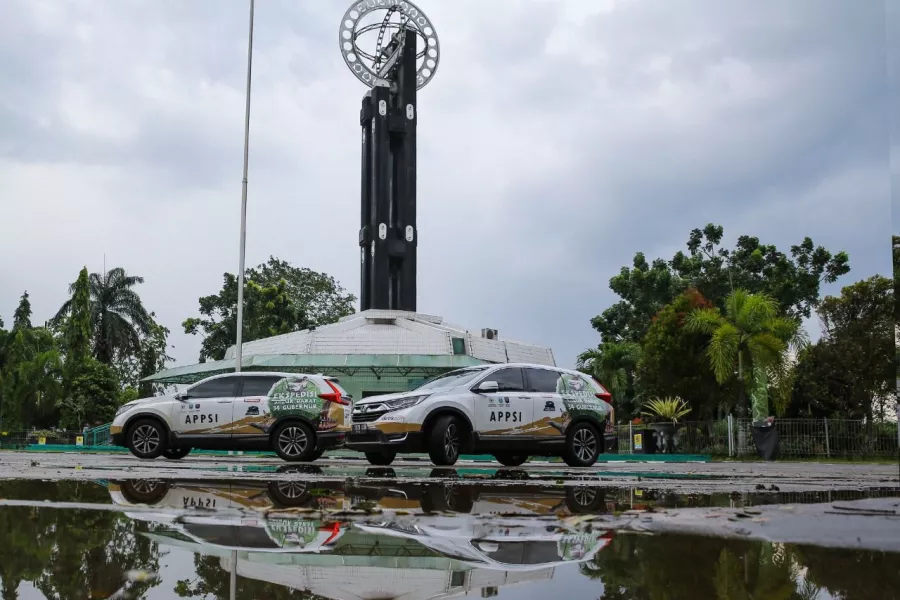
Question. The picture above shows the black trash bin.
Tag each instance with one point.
(643, 441)
(765, 438)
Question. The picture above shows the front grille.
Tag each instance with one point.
(365, 418)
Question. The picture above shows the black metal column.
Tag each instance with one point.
(388, 236)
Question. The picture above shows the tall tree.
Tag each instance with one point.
(77, 328)
(851, 371)
(278, 298)
(22, 316)
(118, 316)
(751, 342)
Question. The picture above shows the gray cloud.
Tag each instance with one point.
(558, 138)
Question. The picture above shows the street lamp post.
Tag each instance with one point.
(240, 299)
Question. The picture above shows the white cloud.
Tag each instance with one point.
(557, 139)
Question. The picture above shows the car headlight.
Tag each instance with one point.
(401, 403)
(125, 407)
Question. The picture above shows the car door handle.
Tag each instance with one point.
(524, 397)
(224, 402)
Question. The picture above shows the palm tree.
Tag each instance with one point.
(753, 343)
(118, 316)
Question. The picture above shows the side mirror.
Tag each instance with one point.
(181, 397)
(487, 387)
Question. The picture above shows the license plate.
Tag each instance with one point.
(359, 428)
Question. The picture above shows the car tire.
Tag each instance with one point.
(445, 441)
(585, 500)
(294, 442)
(147, 439)
(583, 445)
(176, 453)
(380, 459)
(143, 491)
(511, 460)
(447, 498)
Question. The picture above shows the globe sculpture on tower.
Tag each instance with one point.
(392, 47)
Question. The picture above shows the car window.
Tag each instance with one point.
(216, 388)
(508, 380)
(452, 379)
(258, 386)
(542, 380)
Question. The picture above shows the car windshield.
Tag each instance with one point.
(451, 379)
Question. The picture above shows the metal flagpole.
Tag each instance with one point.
(238, 357)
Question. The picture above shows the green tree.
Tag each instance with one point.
(22, 316)
(851, 371)
(150, 358)
(645, 288)
(674, 361)
(91, 396)
(117, 315)
(30, 371)
(77, 324)
(750, 343)
(278, 298)
(320, 296)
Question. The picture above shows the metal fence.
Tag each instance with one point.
(798, 438)
(92, 438)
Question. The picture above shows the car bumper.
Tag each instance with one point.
(375, 440)
(330, 440)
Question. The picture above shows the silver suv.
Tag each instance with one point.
(512, 411)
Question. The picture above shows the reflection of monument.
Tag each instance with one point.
(402, 57)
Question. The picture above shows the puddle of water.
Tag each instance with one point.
(348, 539)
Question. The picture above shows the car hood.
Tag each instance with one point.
(385, 397)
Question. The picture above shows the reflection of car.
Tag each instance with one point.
(508, 543)
(230, 495)
(298, 416)
(483, 498)
(321, 494)
(511, 411)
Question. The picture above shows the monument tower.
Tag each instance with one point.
(391, 46)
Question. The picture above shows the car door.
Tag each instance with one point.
(206, 408)
(509, 410)
(250, 416)
(541, 386)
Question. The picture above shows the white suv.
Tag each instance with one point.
(298, 416)
(512, 411)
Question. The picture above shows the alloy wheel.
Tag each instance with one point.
(584, 444)
(451, 441)
(293, 441)
(145, 439)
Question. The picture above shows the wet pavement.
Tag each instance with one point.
(122, 528)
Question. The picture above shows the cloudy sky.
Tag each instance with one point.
(557, 139)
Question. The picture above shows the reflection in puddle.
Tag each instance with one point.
(380, 537)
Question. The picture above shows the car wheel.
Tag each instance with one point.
(294, 442)
(147, 439)
(445, 441)
(380, 459)
(583, 445)
(585, 500)
(289, 494)
(143, 491)
(176, 453)
(447, 498)
(511, 460)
